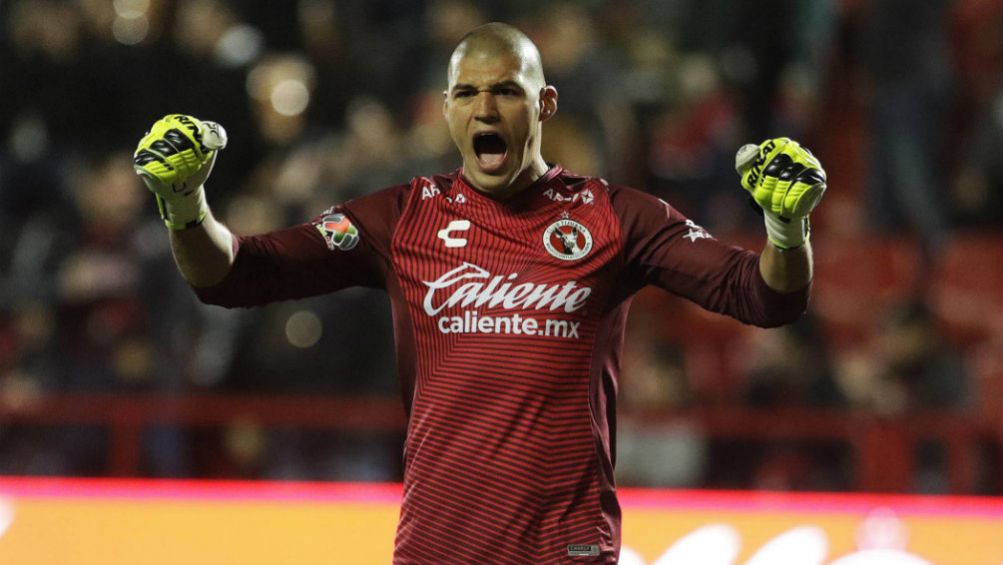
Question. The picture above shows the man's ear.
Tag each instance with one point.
(548, 102)
(445, 102)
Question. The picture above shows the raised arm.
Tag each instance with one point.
(174, 160)
(326, 254)
(664, 248)
(205, 253)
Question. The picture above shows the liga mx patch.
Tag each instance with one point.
(338, 232)
(567, 240)
(583, 550)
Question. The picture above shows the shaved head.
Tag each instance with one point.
(495, 106)
(496, 40)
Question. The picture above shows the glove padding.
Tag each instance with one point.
(174, 160)
(787, 182)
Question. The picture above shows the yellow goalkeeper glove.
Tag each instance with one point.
(787, 182)
(174, 160)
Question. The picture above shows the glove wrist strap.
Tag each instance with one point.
(185, 212)
(786, 235)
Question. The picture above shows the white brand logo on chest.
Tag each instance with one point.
(470, 286)
(454, 226)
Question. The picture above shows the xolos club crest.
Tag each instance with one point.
(338, 232)
(567, 240)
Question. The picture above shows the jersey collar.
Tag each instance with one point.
(518, 200)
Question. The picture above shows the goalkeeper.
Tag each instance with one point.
(510, 280)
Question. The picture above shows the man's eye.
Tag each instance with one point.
(506, 91)
(464, 94)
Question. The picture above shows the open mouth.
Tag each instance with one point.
(491, 150)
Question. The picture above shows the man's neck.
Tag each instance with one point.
(526, 179)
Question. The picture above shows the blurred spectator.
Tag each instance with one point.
(322, 25)
(978, 188)
(977, 49)
(692, 147)
(743, 73)
(280, 88)
(44, 48)
(213, 48)
(592, 123)
(911, 366)
(910, 82)
(791, 367)
(427, 139)
(119, 324)
(103, 309)
(916, 368)
(247, 450)
(444, 24)
(26, 372)
(650, 453)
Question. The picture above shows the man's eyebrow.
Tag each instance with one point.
(502, 84)
(507, 84)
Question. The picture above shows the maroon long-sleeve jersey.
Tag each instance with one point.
(509, 320)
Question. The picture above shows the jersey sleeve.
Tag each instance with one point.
(347, 245)
(664, 248)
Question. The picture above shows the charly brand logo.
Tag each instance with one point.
(338, 232)
(567, 240)
(454, 226)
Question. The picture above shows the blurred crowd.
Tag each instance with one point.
(325, 100)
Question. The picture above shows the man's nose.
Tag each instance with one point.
(486, 109)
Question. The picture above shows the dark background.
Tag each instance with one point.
(326, 100)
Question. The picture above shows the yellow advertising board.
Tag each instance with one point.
(101, 522)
